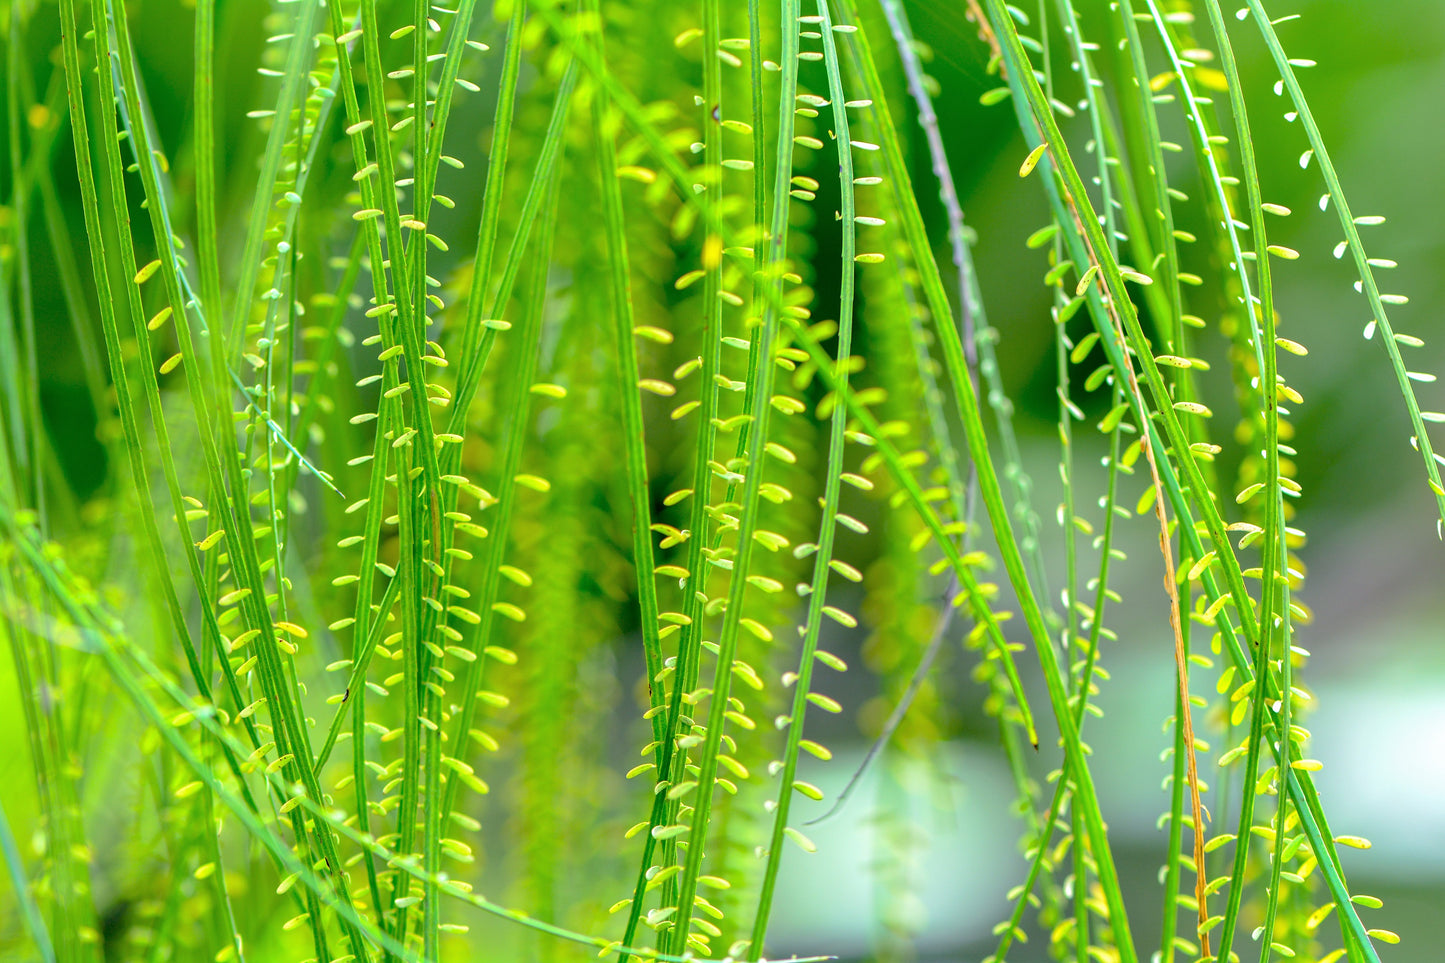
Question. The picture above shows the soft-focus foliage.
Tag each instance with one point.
(450, 455)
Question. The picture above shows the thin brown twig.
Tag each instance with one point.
(987, 35)
(1181, 665)
(1180, 660)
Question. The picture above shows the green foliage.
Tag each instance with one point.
(524, 383)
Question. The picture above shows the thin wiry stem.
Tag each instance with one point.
(832, 487)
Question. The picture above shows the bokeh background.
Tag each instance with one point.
(1375, 562)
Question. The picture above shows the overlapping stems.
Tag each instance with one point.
(1087, 247)
(969, 411)
(823, 552)
(156, 697)
(671, 758)
(233, 507)
(1081, 681)
(891, 457)
(248, 484)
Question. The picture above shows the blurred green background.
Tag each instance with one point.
(1375, 576)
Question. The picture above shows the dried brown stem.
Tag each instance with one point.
(1180, 660)
(985, 32)
(987, 35)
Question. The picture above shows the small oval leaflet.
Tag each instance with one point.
(803, 842)
(145, 273)
(1111, 421)
(1057, 272)
(1084, 347)
(1032, 160)
(808, 789)
(1042, 236)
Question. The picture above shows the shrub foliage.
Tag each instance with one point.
(515, 383)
